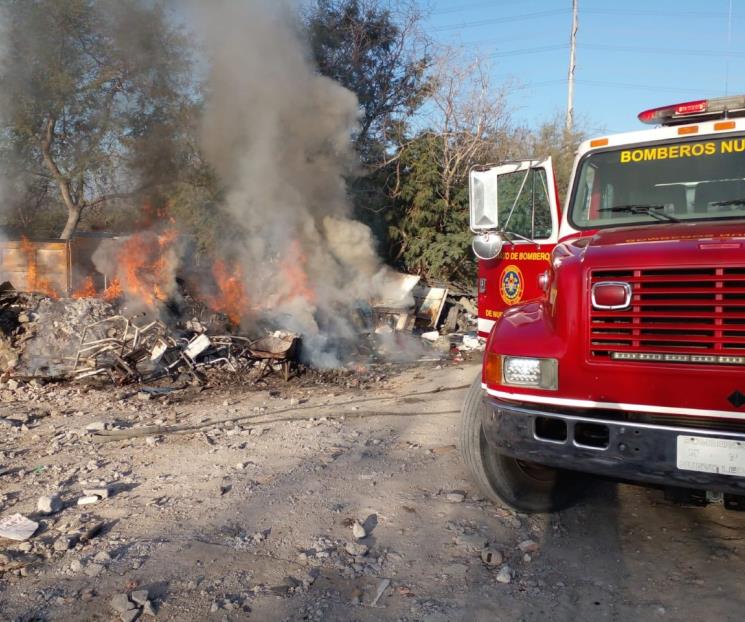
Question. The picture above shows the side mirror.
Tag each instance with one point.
(483, 199)
(487, 245)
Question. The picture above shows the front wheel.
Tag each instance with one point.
(524, 486)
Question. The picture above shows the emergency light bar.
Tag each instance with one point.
(701, 110)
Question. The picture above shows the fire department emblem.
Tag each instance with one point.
(511, 285)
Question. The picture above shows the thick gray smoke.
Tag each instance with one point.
(279, 136)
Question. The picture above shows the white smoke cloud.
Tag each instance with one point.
(279, 136)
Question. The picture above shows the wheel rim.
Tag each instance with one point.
(535, 471)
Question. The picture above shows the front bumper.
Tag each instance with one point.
(633, 451)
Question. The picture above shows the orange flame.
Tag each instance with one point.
(293, 272)
(35, 282)
(113, 292)
(146, 266)
(86, 290)
(231, 299)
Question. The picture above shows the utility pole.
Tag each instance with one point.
(570, 81)
(729, 49)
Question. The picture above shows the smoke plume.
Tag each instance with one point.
(279, 136)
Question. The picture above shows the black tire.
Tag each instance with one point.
(523, 486)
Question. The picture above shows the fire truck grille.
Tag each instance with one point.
(684, 316)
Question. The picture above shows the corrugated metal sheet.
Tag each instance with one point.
(52, 267)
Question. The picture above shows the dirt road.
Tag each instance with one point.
(255, 519)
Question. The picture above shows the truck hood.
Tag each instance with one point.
(664, 244)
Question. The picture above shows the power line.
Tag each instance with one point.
(653, 13)
(615, 48)
(527, 16)
(501, 20)
(653, 50)
(467, 7)
(605, 83)
(645, 87)
(535, 50)
(516, 37)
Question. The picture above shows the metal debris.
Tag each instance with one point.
(127, 353)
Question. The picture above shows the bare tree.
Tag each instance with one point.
(465, 121)
(85, 83)
(468, 116)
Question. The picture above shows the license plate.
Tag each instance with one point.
(711, 455)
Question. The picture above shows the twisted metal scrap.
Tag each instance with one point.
(116, 345)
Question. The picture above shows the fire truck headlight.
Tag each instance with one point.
(529, 372)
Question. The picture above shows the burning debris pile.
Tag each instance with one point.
(85, 337)
(180, 339)
(278, 136)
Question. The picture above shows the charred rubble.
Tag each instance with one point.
(88, 338)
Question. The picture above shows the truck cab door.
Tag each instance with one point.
(515, 218)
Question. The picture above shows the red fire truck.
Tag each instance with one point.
(616, 326)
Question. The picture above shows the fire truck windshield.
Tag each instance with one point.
(674, 181)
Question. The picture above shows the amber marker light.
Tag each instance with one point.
(725, 125)
(599, 142)
(492, 368)
(689, 129)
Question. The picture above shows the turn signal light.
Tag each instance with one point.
(492, 368)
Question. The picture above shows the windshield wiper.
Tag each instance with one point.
(511, 235)
(639, 208)
(730, 202)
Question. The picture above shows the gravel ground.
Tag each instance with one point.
(356, 509)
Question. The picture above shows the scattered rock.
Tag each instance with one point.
(355, 549)
(382, 587)
(17, 527)
(92, 530)
(121, 603)
(475, 542)
(129, 616)
(456, 496)
(358, 531)
(94, 570)
(528, 546)
(49, 504)
(96, 426)
(88, 500)
(148, 609)
(140, 597)
(101, 492)
(505, 574)
(76, 565)
(491, 556)
(63, 543)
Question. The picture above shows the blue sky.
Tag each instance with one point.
(631, 55)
